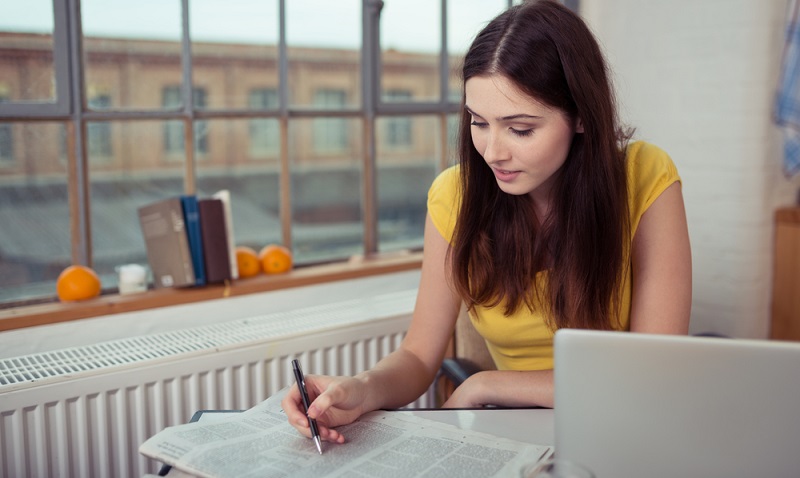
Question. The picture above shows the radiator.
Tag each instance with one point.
(84, 411)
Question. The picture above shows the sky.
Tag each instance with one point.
(406, 25)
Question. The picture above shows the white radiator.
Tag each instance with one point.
(84, 411)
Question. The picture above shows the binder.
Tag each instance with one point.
(192, 218)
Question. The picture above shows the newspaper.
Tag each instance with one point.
(260, 443)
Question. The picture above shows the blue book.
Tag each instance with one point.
(191, 215)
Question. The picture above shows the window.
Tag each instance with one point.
(99, 133)
(263, 132)
(398, 130)
(200, 99)
(351, 97)
(6, 145)
(330, 134)
(173, 131)
(6, 139)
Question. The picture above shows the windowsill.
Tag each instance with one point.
(43, 314)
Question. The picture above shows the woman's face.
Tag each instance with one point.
(524, 141)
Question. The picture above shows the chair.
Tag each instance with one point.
(469, 355)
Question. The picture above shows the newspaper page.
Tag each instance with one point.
(260, 443)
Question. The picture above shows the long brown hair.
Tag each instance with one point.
(499, 244)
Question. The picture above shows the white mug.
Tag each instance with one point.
(132, 279)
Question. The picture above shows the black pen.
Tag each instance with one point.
(301, 384)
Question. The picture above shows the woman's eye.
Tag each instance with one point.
(523, 132)
(479, 125)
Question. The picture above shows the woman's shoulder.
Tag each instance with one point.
(650, 171)
(445, 185)
(646, 160)
(644, 151)
(446, 178)
(443, 201)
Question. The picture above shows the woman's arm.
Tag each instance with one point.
(402, 376)
(507, 388)
(661, 303)
(405, 374)
(661, 293)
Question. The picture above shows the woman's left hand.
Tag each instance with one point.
(504, 388)
(468, 394)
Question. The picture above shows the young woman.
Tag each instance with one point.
(551, 219)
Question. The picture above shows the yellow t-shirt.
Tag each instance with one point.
(523, 341)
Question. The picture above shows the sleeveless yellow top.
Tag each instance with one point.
(523, 341)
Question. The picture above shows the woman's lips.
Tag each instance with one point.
(505, 176)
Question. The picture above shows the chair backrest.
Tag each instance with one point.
(469, 344)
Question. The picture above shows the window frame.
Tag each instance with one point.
(71, 109)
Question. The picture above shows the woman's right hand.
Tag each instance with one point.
(335, 401)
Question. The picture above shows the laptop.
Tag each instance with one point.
(631, 405)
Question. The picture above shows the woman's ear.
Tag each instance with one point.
(578, 126)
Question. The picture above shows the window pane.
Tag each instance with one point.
(404, 177)
(173, 131)
(34, 210)
(234, 49)
(397, 130)
(254, 186)
(135, 174)
(326, 191)
(27, 72)
(330, 134)
(411, 60)
(100, 141)
(465, 18)
(99, 133)
(263, 133)
(130, 48)
(324, 42)
(7, 159)
(452, 138)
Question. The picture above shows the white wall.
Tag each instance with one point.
(698, 78)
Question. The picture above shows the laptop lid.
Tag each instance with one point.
(640, 405)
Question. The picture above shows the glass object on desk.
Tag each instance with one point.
(555, 468)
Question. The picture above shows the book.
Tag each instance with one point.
(192, 218)
(166, 243)
(225, 196)
(216, 255)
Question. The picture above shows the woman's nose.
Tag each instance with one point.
(496, 149)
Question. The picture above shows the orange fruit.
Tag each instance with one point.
(77, 283)
(275, 259)
(247, 262)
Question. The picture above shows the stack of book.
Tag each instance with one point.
(189, 241)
